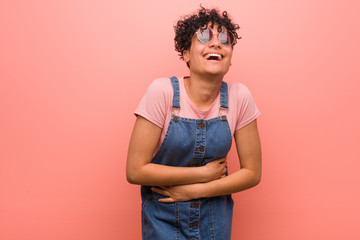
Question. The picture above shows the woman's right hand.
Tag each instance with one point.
(215, 169)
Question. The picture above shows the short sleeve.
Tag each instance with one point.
(153, 106)
(247, 109)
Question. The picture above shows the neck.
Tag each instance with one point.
(202, 90)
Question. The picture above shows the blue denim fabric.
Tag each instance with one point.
(190, 143)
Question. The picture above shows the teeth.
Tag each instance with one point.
(218, 56)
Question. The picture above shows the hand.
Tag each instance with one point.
(178, 193)
(215, 169)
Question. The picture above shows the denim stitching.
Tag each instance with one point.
(229, 131)
(224, 96)
(211, 220)
(165, 137)
(177, 223)
(176, 97)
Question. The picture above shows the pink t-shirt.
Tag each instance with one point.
(155, 106)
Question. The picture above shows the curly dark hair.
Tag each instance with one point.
(187, 26)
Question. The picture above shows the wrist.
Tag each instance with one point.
(203, 173)
(200, 190)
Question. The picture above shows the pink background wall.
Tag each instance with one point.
(72, 72)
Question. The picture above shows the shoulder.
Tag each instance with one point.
(241, 99)
(160, 89)
(161, 85)
(242, 103)
(156, 102)
(239, 91)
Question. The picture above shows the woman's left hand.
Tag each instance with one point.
(179, 193)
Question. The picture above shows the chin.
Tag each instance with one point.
(217, 72)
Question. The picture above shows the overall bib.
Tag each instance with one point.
(190, 143)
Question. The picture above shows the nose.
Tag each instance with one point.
(215, 43)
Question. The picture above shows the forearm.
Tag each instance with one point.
(236, 182)
(140, 170)
(249, 153)
(160, 175)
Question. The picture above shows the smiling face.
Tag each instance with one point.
(210, 58)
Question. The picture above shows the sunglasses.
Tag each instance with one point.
(206, 35)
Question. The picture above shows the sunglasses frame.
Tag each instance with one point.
(203, 29)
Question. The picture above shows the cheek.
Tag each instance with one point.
(193, 54)
(230, 56)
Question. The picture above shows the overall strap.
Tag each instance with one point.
(224, 96)
(176, 97)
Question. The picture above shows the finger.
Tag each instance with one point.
(160, 191)
(166, 200)
(223, 161)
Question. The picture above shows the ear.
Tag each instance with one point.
(186, 55)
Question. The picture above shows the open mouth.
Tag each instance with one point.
(213, 56)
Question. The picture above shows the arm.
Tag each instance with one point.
(140, 170)
(249, 153)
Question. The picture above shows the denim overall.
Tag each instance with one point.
(190, 143)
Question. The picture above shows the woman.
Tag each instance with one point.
(183, 132)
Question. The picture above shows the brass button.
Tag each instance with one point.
(223, 117)
(194, 224)
(202, 125)
(201, 149)
(176, 118)
(194, 205)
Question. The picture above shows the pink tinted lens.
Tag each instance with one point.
(205, 35)
(226, 37)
